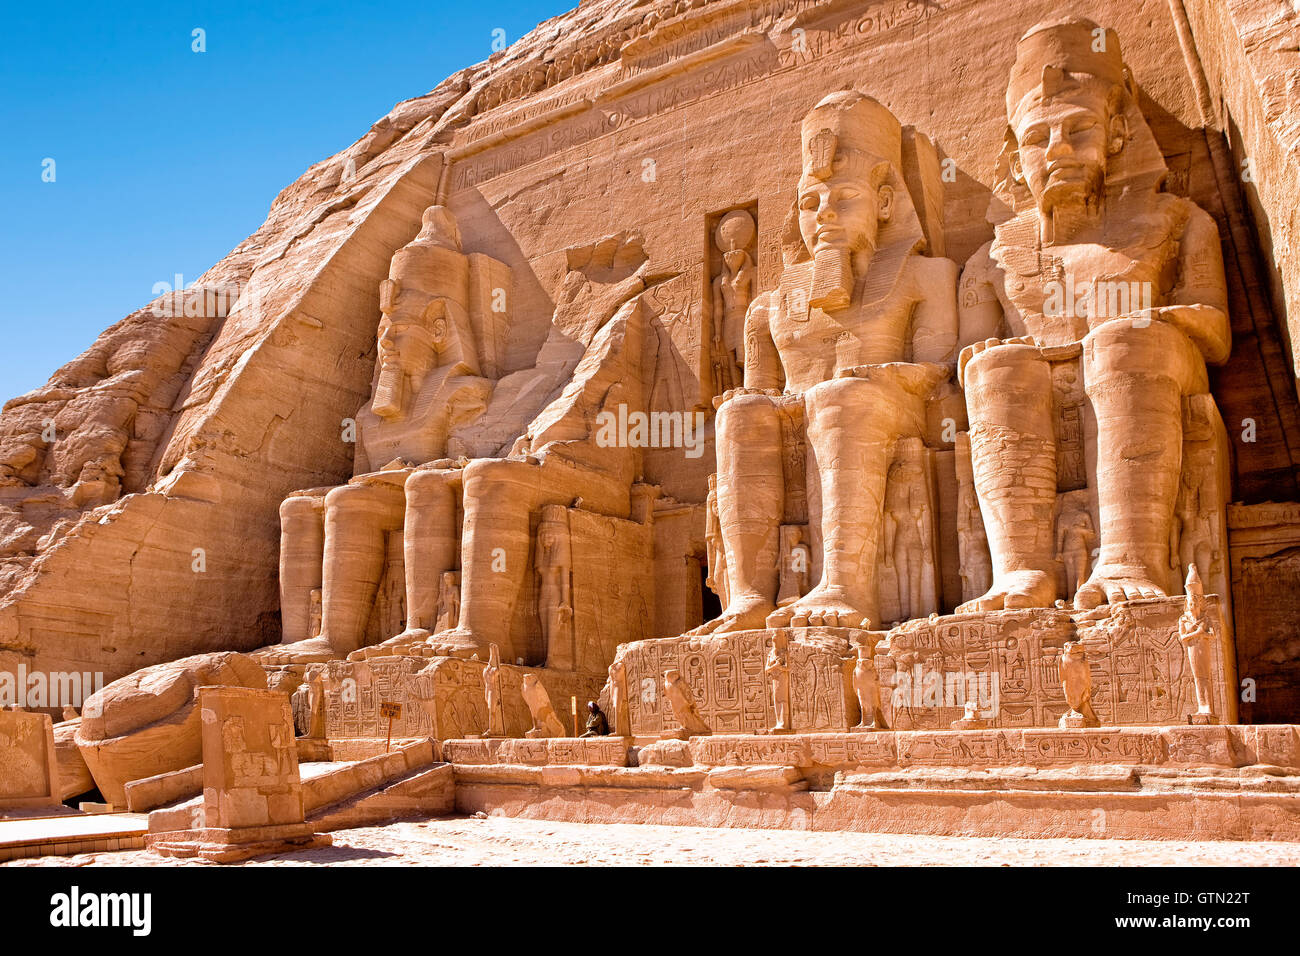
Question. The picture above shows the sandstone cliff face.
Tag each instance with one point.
(139, 489)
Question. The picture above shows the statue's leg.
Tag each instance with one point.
(852, 426)
(429, 544)
(302, 557)
(357, 521)
(1136, 377)
(1013, 453)
(751, 495)
(499, 499)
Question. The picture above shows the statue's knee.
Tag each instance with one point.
(427, 487)
(1149, 348)
(747, 418)
(364, 502)
(1008, 368)
(300, 508)
(495, 477)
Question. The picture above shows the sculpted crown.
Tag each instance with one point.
(421, 263)
(1050, 54)
(849, 131)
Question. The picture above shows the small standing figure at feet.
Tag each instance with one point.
(618, 698)
(1076, 681)
(492, 694)
(679, 696)
(866, 684)
(778, 673)
(1196, 635)
(448, 602)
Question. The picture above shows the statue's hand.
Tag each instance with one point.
(970, 351)
(731, 393)
(1205, 325)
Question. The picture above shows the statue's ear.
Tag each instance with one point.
(437, 322)
(1017, 169)
(886, 207)
(1116, 134)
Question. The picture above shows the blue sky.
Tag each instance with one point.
(164, 158)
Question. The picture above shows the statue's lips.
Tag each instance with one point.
(829, 236)
(1067, 171)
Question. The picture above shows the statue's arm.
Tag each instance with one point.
(979, 310)
(1200, 300)
(983, 322)
(935, 320)
(762, 361)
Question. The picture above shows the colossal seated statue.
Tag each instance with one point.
(1102, 297)
(848, 350)
(412, 515)
(427, 381)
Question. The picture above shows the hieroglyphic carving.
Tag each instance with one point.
(726, 676)
(1068, 403)
(647, 48)
(1138, 667)
(353, 691)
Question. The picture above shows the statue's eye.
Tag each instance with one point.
(808, 202)
(1085, 125)
(848, 193)
(1035, 137)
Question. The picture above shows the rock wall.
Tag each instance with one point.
(655, 118)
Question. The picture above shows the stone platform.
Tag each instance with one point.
(1211, 783)
(928, 668)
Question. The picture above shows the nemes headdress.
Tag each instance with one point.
(849, 131)
(1051, 57)
(431, 259)
(1056, 58)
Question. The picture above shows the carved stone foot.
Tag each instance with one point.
(1015, 590)
(407, 642)
(1112, 583)
(820, 607)
(740, 615)
(317, 650)
(456, 643)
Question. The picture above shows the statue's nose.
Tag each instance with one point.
(1059, 144)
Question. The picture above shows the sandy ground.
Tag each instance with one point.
(501, 841)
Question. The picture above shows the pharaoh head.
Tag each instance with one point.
(413, 299)
(1067, 103)
(850, 143)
